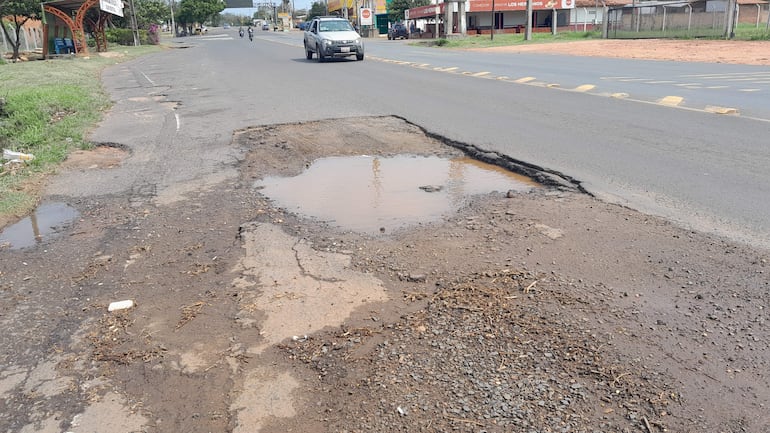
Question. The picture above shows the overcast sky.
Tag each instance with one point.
(298, 4)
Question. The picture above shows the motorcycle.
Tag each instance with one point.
(240, 32)
(251, 34)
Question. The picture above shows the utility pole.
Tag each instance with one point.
(173, 25)
(730, 21)
(528, 30)
(554, 21)
(134, 29)
(494, 22)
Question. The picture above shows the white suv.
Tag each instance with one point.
(331, 37)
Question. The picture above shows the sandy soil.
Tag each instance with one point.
(738, 52)
(538, 311)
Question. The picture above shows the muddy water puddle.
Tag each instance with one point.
(47, 220)
(379, 194)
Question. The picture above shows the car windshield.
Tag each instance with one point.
(334, 26)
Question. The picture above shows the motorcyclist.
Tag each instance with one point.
(240, 31)
(251, 33)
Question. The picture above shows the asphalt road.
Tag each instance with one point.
(703, 170)
(692, 85)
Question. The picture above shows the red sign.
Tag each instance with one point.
(426, 11)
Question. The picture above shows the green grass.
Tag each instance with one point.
(49, 107)
(749, 32)
(745, 32)
(507, 39)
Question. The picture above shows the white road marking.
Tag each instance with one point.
(148, 78)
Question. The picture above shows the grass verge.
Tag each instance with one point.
(47, 108)
(743, 32)
(507, 39)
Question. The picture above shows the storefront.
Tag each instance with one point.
(510, 16)
(348, 8)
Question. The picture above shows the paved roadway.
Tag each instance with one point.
(717, 87)
(626, 140)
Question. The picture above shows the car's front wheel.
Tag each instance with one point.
(308, 53)
(359, 56)
(321, 57)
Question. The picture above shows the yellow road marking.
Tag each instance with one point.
(619, 95)
(671, 101)
(480, 74)
(525, 79)
(721, 110)
(584, 88)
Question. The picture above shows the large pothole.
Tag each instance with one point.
(376, 174)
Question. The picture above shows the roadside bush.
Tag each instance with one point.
(152, 35)
(126, 37)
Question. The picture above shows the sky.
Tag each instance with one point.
(298, 4)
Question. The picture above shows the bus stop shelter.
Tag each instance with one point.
(71, 19)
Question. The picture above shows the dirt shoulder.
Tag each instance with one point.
(708, 51)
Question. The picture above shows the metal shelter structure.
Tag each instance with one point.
(73, 14)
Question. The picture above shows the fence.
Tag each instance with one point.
(665, 20)
(31, 38)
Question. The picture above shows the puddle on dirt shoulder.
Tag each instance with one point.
(373, 194)
(47, 220)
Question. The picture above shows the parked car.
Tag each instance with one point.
(265, 26)
(330, 37)
(398, 30)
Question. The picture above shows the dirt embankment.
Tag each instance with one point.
(708, 51)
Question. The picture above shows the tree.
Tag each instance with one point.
(199, 11)
(396, 8)
(264, 12)
(232, 18)
(318, 9)
(19, 11)
(151, 12)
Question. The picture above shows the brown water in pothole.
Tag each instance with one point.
(369, 194)
(46, 221)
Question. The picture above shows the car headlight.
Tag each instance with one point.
(357, 41)
(327, 42)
